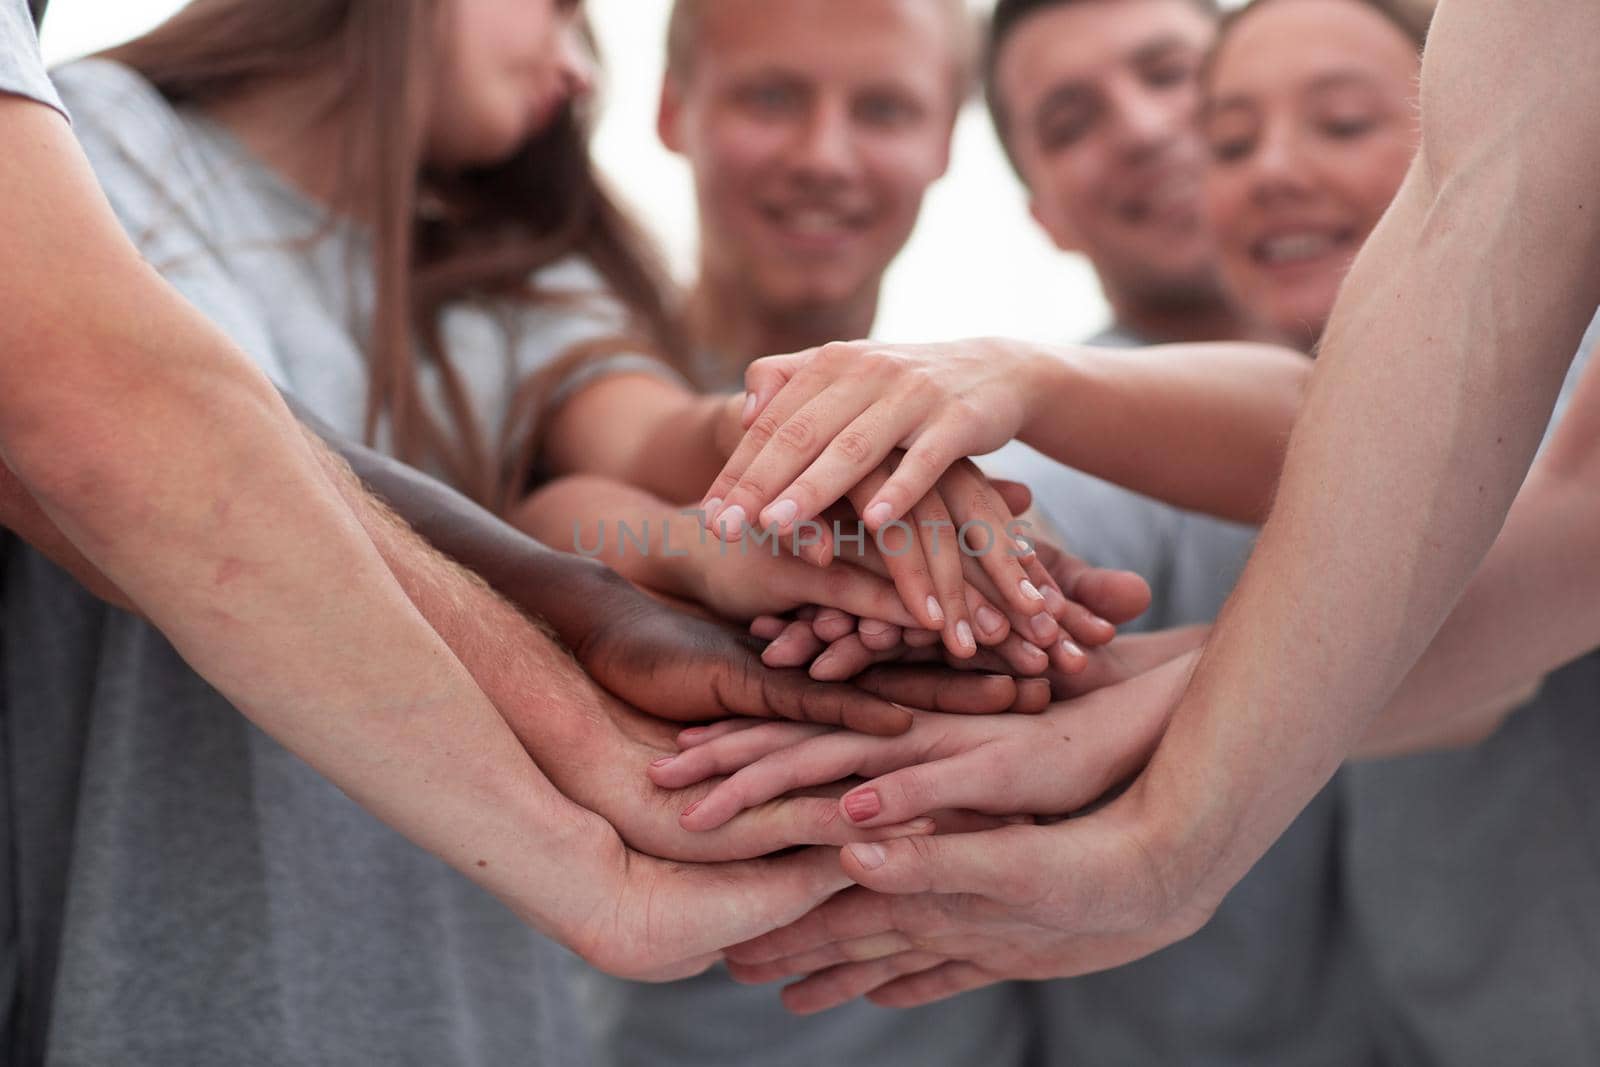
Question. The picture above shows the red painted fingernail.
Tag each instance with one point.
(863, 805)
(663, 761)
(693, 731)
(690, 809)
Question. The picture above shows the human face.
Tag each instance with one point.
(1311, 119)
(508, 68)
(813, 128)
(1100, 101)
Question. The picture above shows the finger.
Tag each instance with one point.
(916, 638)
(928, 986)
(831, 624)
(768, 627)
(795, 433)
(936, 532)
(984, 522)
(846, 658)
(844, 586)
(793, 821)
(931, 451)
(842, 984)
(818, 761)
(708, 907)
(850, 950)
(940, 689)
(1033, 696)
(903, 556)
(1022, 656)
(853, 913)
(851, 453)
(699, 735)
(989, 626)
(1006, 865)
(728, 753)
(880, 636)
(1116, 596)
(765, 379)
(1018, 497)
(796, 646)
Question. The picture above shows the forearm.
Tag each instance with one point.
(172, 466)
(1439, 371)
(565, 590)
(644, 432)
(622, 528)
(1202, 427)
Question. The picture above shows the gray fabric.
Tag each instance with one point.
(180, 890)
(1474, 880)
(1270, 980)
(21, 71)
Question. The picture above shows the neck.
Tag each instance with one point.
(723, 319)
(1200, 315)
(295, 127)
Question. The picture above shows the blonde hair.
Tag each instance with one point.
(683, 40)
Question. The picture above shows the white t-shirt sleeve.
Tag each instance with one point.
(21, 70)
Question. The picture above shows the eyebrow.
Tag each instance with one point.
(1073, 92)
(1333, 80)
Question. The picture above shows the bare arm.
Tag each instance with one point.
(173, 467)
(1437, 376)
(645, 432)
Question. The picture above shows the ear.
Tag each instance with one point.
(1055, 223)
(669, 114)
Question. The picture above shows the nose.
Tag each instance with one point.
(1146, 122)
(1276, 169)
(824, 146)
(575, 64)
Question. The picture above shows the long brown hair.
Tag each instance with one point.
(437, 238)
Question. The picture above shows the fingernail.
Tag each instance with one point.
(1025, 548)
(1053, 600)
(1070, 649)
(1033, 650)
(781, 514)
(869, 856)
(989, 620)
(964, 636)
(873, 627)
(1044, 627)
(823, 664)
(878, 514)
(1030, 590)
(863, 805)
(749, 407)
(690, 810)
(691, 733)
(663, 761)
(935, 612)
(710, 509)
(731, 522)
(1102, 622)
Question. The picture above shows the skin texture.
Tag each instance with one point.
(813, 129)
(1311, 119)
(1447, 346)
(1098, 102)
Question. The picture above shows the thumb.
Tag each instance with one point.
(1003, 865)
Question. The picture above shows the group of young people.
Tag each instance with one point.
(325, 342)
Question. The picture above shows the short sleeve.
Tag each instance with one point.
(21, 69)
(143, 156)
(574, 314)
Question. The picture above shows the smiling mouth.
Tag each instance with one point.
(815, 225)
(1294, 249)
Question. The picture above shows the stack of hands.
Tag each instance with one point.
(947, 710)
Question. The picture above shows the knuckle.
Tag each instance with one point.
(854, 446)
(765, 426)
(798, 432)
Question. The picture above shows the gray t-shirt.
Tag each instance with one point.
(21, 72)
(178, 888)
(1473, 881)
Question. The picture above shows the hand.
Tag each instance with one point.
(821, 420)
(646, 919)
(596, 751)
(1050, 764)
(1095, 602)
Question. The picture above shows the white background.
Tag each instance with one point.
(976, 265)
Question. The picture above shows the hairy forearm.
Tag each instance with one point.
(1202, 426)
(566, 591)
(171, 464)
(1439, 371)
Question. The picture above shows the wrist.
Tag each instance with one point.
(1046, 376)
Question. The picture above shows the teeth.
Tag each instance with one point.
(1294, 248)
